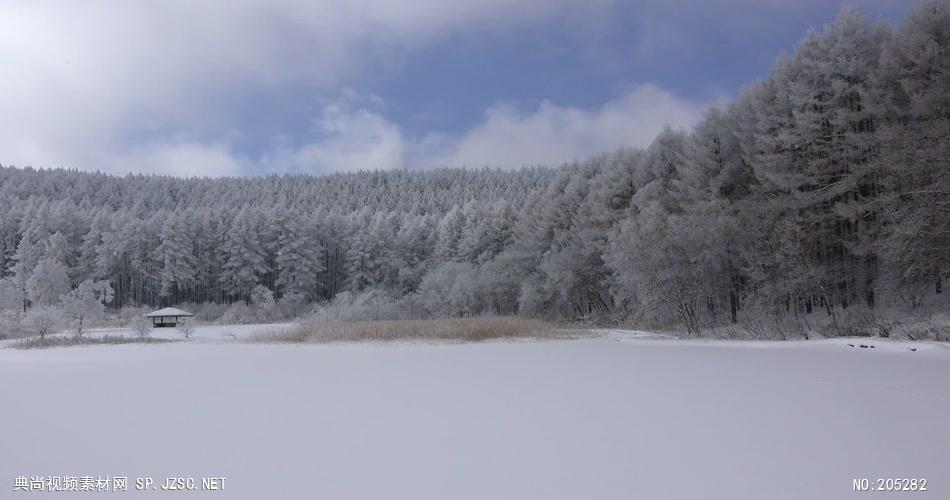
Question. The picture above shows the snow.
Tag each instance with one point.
(604, 418)
(623, 335)
(201, 333)
(168, 311)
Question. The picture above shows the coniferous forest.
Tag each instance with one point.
(821, 190)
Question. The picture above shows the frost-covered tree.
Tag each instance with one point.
(11, 295)
(450, 232)
(914, 100)
(176, 253)
(186, 327)
(140, 326)
(262, 296)
(87, 302)
(57, 247)
(299, 256)
(244, 257)
(48, 282)
(819, 148)
(90, 246)
(44, 320)
(411, 249)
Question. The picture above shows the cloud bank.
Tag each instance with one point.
(553, 134)
(362, 138)
(154, 86)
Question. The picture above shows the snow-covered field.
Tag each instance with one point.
(616, 417)
(201, 333)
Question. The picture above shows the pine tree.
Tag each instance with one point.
(450, 232)
(89, 248)
(361, 264)
(179, 270)
(244, 257)
(915, 103)
(817, 146)
(299, 256)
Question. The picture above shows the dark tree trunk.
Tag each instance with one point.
(733, 307)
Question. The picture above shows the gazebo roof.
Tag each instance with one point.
(168, 311)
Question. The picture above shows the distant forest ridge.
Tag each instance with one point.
(823, 188)
(402, 190)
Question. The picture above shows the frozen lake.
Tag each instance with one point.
(618, 417)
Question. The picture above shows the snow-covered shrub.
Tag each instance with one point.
(42, 320)
(261, 296)
(461, 289)
(241, 313)
(87, 302)
(439, 293)
(370, 304)
(11, 325)
(290, 305)
(855, 321)
(207, 313)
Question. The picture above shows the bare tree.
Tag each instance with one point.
(44, 320)
(141, 326)
(186, 327)
(87, 301)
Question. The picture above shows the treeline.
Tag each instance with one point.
(161, 240)
(822, 189)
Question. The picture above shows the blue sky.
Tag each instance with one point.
(247, 88)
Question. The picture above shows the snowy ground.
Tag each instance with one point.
(201, 333)
(616, 417)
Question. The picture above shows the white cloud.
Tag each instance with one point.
(182, 159)
(362, 138)
(87, 83)
(354, 139)
(554, 134)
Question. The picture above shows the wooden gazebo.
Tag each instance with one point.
(169, 317)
